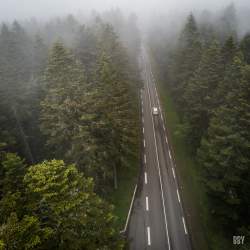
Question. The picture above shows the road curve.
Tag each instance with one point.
(157, 220)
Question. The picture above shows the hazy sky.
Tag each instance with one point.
(19, 9)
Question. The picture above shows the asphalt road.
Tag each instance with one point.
(157, 220)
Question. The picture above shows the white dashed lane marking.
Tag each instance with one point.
(149, 236)
(173, 172)
(178, 195)
(184, 225)
(146, 177)
(147, 206)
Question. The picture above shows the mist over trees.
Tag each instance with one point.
(70, 125)
(208, 74)
(68, 92)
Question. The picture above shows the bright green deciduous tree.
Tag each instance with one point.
(64, 201)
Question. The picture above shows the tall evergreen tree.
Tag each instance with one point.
(245, 48)
(224, 153)
(187, 58)
(199, 94)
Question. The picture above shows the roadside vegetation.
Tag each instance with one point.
(204, 82)
(69, 132)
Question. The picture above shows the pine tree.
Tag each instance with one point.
(187, 58)
(229, 51)
(86, 49)
(227, 25)
(200, 92)
(245, 48)
(62, 107)
(224, 154)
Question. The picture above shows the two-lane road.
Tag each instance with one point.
(157, 220)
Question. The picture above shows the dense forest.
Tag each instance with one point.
(69, 122)
(207, 70)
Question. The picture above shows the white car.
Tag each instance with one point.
(155, 111)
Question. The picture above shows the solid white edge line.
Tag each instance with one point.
(173, 172)
(146, 177)
(178, 195)
(149, 236)
(184, 225)
(147, 207)
(159, 171)
(145, 159)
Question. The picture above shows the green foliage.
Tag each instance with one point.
(86, 49)
(245, 48)
(225, 155)
(24, 234)
(199, 93)
(14, 170)
(65, 202)
(186, 57)
(92, 122)
(212, 96)
(84, 112)
(62, 109)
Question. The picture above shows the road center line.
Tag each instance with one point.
(166, 140)
(184, 224)
(164, 128)
(159, 170)
(149, 236)
(142, 120)
(147, 207)
(144, 143)
(145, 159)
(178, 195)
(173, 172)
(143, 130)
(146, 177)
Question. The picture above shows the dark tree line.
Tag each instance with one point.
(68, 92)
(208, 73)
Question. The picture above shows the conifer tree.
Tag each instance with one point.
(187, 58)
(224, 153)
(199, 94)
(61, 109)
(245, 48)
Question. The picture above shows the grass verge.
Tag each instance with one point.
(121, 197)
(203, 230)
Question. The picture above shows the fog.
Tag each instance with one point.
(17, 9)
